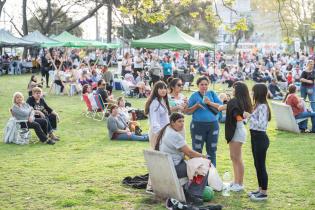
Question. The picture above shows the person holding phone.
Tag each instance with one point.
(204, 105)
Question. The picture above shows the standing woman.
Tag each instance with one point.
(126, 64)
(176, 99)
(235, 131)
(260, 142)
(307, 83)
(167, 68)
(204, 127)
(158, 110)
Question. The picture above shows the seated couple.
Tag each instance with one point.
(37, 114)
(119, 126)
(171, 140)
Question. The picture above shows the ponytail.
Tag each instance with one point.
(173, 118)
(159, 138)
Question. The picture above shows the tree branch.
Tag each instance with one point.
(90, 14)
(281, 18)
(228, 7)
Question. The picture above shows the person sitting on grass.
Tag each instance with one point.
(129, 116)
(118, 128)
(274, 91)
(299, 110)
(172, 141)
(23, 111)
(43, 111)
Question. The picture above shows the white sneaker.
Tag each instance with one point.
(236, 187)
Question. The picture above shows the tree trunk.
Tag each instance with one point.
(24, 26)
(2, 2)
(109, 22)
(89, 15)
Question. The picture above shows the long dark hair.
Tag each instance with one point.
(31, 80)
(155, 94)
(291, 89)
(260, 91)
(173, 118)
(242, 96)
(172, 84)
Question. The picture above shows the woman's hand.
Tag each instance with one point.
(198, 105)
(207, 101)
(30, 119)
(246, 115)
(128, 133)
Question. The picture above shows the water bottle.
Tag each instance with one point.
(227, 178)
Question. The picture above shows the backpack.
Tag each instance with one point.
(140, 114)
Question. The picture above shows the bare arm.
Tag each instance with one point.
(190, 153)
(190, 110)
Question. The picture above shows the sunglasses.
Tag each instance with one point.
(179, 85)
(103, 84)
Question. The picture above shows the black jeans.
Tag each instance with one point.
(260, 144)
(193, 189)
(58, 82)
(45, 73)
(51, 122)
(40, 127)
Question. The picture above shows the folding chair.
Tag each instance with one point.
(90, 111)
(24, 135)
(101, 105)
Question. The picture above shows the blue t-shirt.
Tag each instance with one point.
(167, 68)
(203, 115)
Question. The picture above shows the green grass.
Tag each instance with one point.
(85, 169)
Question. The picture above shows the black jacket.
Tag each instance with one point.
(41, 106)
(233, 109)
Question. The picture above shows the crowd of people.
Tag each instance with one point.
(161, 79)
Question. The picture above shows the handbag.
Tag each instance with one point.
(212, 109)
(310, 91)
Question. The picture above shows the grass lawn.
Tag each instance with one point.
(85, 169)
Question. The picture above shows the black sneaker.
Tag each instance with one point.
(51, 142)
(253, 193)
(259, 197)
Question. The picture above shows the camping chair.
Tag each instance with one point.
(163, 176)
(24, 135)
(102, 107)
(128, 91)
(90, 111)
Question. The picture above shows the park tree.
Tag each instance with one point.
(297, 18)
(2, 3)
(54, 18)
(149, 17)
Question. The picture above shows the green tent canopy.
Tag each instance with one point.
(174, 38)
(8, 40)
(40, 39)
(69, 40)
(113, 45)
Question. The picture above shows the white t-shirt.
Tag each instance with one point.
(136, 60)
(171, 142)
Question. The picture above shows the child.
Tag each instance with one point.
(260, 142)
(235, 131)
(289, 78)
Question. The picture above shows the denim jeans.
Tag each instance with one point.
(205, 132)
(133, 137)
(303, 124)
(311, 97)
